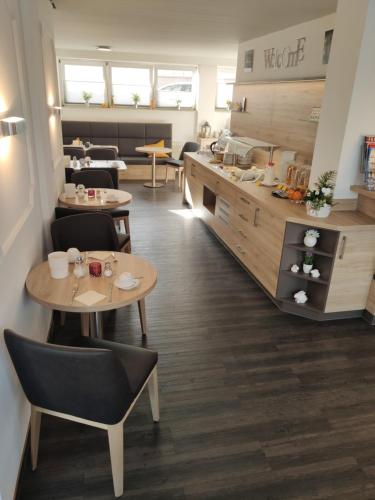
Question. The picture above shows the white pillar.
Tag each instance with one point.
(348, 110)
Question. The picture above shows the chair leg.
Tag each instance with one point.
(34, 436)
(166, 173)
(85, 324)
(179, 178)
(142, 315)
(116, 450)
(153, 391)
(127, 226)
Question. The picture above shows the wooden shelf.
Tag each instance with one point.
(305, 277)
(307, 305)
(361, 189)
(303, 248)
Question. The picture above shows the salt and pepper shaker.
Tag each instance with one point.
(79, 268)
(108, 270)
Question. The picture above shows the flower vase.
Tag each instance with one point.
(310, 241)
(321, 212)
(307, 268)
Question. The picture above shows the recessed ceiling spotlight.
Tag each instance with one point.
(105, 48)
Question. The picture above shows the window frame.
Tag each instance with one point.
(82, 62)
(223, 108)
(119, 64)
(194, 81)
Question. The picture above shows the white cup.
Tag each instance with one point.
(126, 279)
(70, 190)
(58, 265)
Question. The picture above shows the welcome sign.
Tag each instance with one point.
(286, 57)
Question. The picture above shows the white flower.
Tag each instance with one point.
(327, 191)
(317, 192)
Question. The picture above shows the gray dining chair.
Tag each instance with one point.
(94, 382)
(101, 153)
(189, 147)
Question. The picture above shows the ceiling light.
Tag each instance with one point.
(105, 48)
(12, 125)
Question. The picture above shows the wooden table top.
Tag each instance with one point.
(123, 198)
(57, 293)
(153, 149)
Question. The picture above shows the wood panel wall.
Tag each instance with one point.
(279, 113)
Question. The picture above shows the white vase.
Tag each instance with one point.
(320, 212)
(307, 268)
(310, 241)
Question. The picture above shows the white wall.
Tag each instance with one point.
(25, 208)
(310, 67)
(349, 101)
(185, 123)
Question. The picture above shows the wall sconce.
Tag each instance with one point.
(12, 125)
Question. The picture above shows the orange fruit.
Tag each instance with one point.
(297, 196)
(290, 193)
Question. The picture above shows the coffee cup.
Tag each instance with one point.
(70, 190)
(126, 279)
(58, 264)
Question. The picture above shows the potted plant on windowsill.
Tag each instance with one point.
(87, 96)
(136, 99)
(319, 201)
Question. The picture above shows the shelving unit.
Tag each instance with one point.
(293, 253)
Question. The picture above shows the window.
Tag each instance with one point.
(80, 78)
(224, 86)
(130, 81)
(175, 87)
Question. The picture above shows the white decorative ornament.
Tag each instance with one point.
(315, 273)
(300, 297)
(311, 238)
(294, 268)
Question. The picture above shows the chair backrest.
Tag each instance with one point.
(93, 178)
(101, 153)
(189, 147)
(113, 171)
(87, 383)
(85, 231)
(74, 151)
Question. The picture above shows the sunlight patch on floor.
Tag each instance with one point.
(186, 213)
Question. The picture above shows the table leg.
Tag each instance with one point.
(153, 183)
(96, 325)
(85, 324)
(142, 316)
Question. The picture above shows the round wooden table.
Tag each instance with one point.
(154, 151)
(61, 294)
(102, 203)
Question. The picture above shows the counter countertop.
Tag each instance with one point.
(338, 220)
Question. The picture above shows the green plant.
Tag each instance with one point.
(136, 98)
(86, 96)
(308, 259)
(322, 195)
(178, 102)
(228, 103)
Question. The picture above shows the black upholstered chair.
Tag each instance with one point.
(95, 382)
(87, 231)
(113, 171)
(72, 151)
(101, 153)
(189, 147)
(97, 178)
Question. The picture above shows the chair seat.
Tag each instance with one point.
(174, 163)
(119, 212)
(123, 239)
(138, 363)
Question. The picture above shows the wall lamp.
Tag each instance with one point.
(12, 125)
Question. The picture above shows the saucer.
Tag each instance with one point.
(130, 287)
(269, 185)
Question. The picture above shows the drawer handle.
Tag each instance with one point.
(224, 211)
(243, 217)
(244, 200)
(223, 220)
(224, 202)
(239, 248)
(255, 221)
(242, 234)
(342, 249)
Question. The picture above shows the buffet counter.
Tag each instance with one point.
(266, 235)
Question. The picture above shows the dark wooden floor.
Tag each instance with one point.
(255, 404)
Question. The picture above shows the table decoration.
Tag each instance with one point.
(311, 238)
(319, 201)
(95, 269)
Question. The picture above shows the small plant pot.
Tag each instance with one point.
(310, 241)
(320, 212)
(87, 104)
(136, 105)
(307, 268)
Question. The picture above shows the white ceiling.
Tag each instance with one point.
(210, 28)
